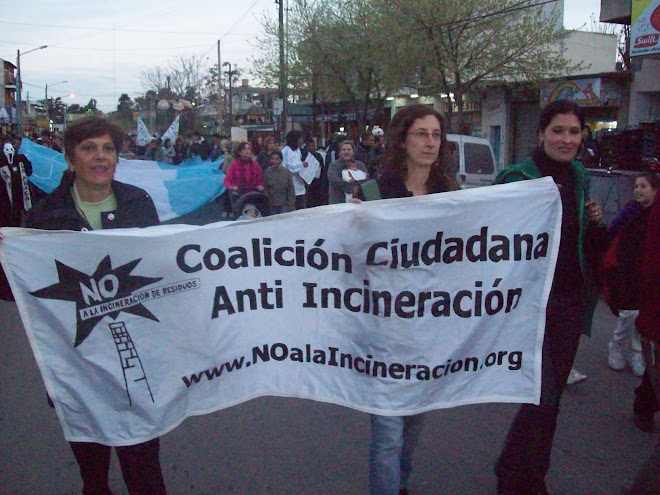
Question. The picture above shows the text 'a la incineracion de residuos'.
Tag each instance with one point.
(480, 247)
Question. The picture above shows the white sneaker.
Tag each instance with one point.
(575, 377)
(616, 357)
(637, 363)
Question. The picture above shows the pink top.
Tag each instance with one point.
(246, 175)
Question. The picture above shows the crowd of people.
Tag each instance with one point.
(411, 159)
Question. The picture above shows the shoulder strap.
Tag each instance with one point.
(371, 190)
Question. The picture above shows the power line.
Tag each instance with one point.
(239, 20)
(236, 23)
(155, 48)
(146, 31)
(107, 29)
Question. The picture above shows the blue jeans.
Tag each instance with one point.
(393, 441)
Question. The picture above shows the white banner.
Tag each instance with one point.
(392, 307)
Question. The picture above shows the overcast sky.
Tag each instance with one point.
(100, 47)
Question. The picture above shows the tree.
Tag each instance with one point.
(124, 116)
(210, 86)
(148, 101)
(334, 52)
(58, 110)
(54, 109)
(75, 108)
(622, 33)
(453, 47)
(91, 109)
(342, 50)
(185, 75)
(359, 50)
(125, 103)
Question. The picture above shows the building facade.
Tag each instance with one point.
(7, 96)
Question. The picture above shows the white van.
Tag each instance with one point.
(472, 160)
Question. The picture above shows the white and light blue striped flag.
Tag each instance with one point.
(175, 189)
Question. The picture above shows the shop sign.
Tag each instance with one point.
(645, 28)
(468, 106)
(584, 92)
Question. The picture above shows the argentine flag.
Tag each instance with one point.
(175, 189)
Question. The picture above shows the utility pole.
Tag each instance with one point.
(47, 106)
(283, 82)
(19, 88)
(220, 107)
(230, 76)
(18, 93)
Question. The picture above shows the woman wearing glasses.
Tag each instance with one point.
(416, 163)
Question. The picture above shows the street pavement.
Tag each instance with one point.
(275, 445)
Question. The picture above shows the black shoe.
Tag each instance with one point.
(403, 491)
(644, 422)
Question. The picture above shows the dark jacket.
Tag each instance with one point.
(527, 170)
(337, 186)
(630, 210)
(648, 321)
(366, 155)
(317, 191)
(58, 211)
(623, 278)
(262, 160)
(279, 188)
(592, 239)
(11, 212)
(393, 187)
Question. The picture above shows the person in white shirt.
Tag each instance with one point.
(294, 162)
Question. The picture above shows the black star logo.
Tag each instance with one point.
(69, 288)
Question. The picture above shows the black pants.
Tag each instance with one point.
(646, 402)
(140, 467)
(525, 459)
(647, 480)
(301, 202)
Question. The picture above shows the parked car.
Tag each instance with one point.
(473, 161)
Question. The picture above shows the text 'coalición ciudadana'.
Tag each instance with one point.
(484, 298)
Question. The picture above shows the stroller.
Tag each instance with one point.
(255, 198)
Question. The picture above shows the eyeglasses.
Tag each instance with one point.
(421, 134)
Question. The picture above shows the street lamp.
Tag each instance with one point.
(19, 87)
(47, 105)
